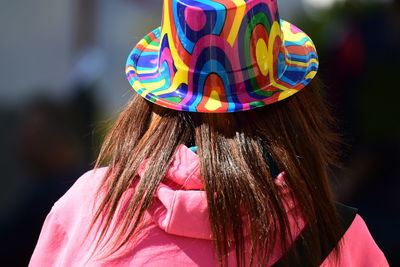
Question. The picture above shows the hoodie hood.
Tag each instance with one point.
(180, 207)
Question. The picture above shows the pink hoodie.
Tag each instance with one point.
(179, 233)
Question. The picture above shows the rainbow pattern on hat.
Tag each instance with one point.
(221, 56)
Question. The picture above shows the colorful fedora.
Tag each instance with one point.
(220, 56)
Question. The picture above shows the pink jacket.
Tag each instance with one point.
(179, 232)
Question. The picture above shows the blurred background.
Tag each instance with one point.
(62, 78)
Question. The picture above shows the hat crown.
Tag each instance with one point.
(210, 28)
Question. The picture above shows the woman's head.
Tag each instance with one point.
(216, 75)
(236, 153)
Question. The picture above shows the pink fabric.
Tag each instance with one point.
(179, 233)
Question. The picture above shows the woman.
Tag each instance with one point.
(207, 166)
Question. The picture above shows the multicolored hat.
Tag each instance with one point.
(221, 56)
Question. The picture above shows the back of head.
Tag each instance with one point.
(207, 77)
(236, 153)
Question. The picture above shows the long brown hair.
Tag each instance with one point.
(234, 150)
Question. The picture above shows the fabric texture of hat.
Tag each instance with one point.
(221, 56)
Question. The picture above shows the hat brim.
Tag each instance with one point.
(294, 71)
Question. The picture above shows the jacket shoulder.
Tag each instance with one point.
(80, 199)
(358, 247)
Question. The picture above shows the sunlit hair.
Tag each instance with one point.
(233, 149)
